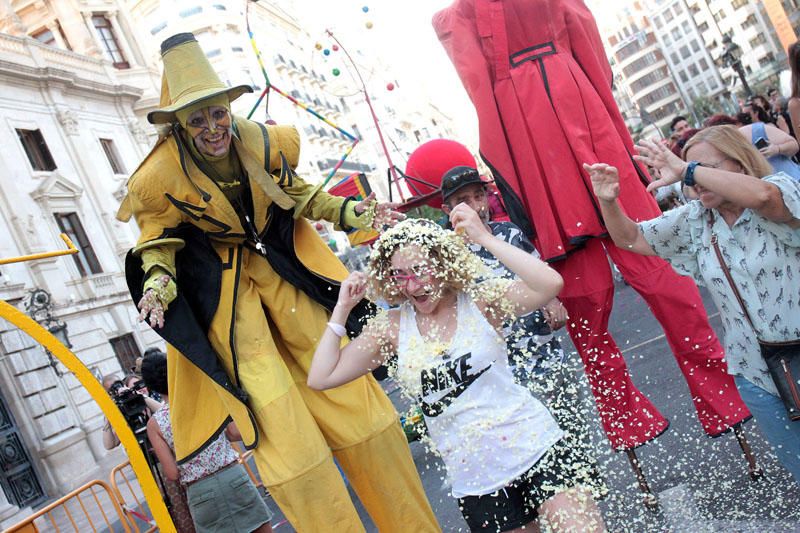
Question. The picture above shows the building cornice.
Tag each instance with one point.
(48, 75)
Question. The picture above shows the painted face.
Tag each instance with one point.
(415, 278)
(210, 128)
(709, 156)
(474, 195)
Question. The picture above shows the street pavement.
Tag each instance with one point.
(702, 484)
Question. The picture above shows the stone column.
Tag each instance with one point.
(10, 23)
(54, 28)
(94, 41)
(122, 38)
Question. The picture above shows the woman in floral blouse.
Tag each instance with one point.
(755, 217)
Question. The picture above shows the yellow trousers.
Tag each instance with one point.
(277, 328)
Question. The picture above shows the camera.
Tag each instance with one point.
(134, 410)
(132, 406)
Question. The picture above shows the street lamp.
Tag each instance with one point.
(647, 118)
(39, 306)
(732, 57)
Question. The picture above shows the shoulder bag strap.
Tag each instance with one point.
(725, 269)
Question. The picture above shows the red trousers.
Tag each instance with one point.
(628, 417)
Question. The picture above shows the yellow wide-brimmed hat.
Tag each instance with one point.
(188, 78)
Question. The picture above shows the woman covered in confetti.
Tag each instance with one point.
(506, 461)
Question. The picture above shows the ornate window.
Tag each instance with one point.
(113, 157)
(127, 351)
(36, 150)
(85, 260)
(109, 40)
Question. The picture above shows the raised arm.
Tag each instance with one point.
(739, 189)
(623, 231)
(333, 365)
(537, 285)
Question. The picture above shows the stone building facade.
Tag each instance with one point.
(72, 88)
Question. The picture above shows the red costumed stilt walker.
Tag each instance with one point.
(541, 84)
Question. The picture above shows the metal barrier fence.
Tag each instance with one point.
(123, 495)
(128, 493)
(84, 509)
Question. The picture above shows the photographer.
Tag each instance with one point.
(116, 388)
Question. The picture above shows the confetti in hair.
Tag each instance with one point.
(446, 253)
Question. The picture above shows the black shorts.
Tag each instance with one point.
(515, 505)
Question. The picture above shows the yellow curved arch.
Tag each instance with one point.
(126, 436)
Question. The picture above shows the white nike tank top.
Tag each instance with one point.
(487, 429)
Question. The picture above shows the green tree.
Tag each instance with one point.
(705, 106)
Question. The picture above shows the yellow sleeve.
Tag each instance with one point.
(311, 201)
(166, 294)
(159, 253)
(314, 203)
(151, 209)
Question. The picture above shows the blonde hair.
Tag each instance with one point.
(452, 261)
(730, 142)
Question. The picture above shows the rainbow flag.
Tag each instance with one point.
(357, 186)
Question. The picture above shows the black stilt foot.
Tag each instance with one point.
(650, 500)
(754, 470)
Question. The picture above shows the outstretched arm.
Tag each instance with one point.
(333, 365)
(538, 283)
(623, 231)
(739, 189)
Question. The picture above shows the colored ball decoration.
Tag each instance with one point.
(326, 52)
(390, 86)
(318, 226)
(365, 9)
(318, 46)
(369, 25)
(335, 47)
(336, 72)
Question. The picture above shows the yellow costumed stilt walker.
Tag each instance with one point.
(245, 285)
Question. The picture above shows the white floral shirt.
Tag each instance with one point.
(217, 455)
(764, 260)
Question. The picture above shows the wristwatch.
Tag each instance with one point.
(688, 176)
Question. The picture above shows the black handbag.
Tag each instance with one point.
(782, 358)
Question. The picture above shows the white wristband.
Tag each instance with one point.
(337, 329)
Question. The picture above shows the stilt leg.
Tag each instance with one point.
(754, 470)
(650, 500)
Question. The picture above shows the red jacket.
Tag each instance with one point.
(537, 74)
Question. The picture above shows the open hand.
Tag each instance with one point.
(353, 290)
(605, 181)
(670, 167)
(386, 214)
(150, 307)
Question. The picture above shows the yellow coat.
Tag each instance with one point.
(169, 192)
